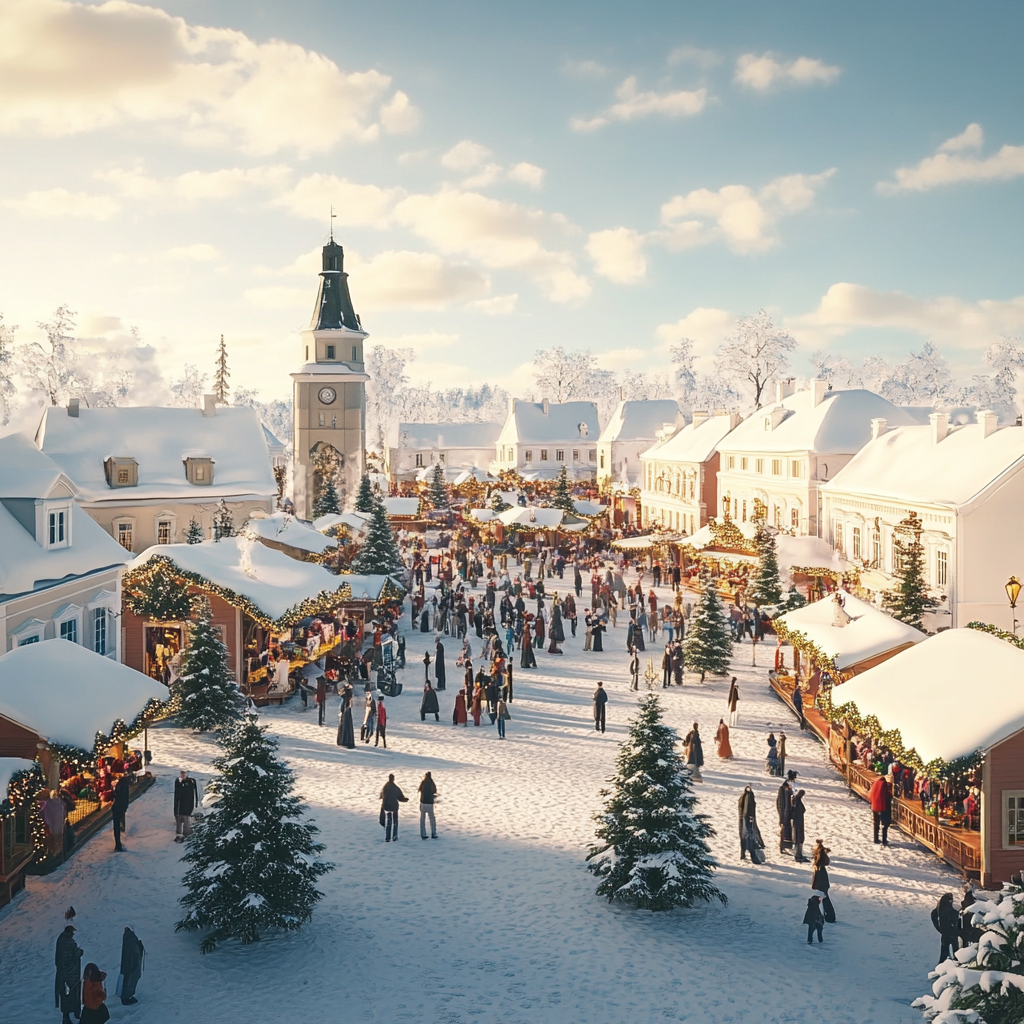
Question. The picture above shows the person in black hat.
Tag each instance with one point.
(67, 985)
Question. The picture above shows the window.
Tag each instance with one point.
(121, 472)
(726, 504)
(575, 455)
(355, 353)
(163, 531)
(419, 461)
(69, 630)
(776, 467)
(99, 630)
(602, 466)
(758, 465)
(876, 550)
(330, 351)
(796, 469)
(856, 542)
(1013, 818)
(122, 477)
(794, 518)
(543, 455)
(732, 461)
(897, 556)
(199, 470)
(28, 640)
(124, 535)
(777, 516)
(744, 462)
(560, 455)
(744, 510)
(57, 520)
(323, 419)
(528, 455)
(837, 532)
(440, 458)
(307, 353)
(941, 568)
(592, 455)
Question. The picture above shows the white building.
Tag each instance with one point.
(776, 459)
(144, 473)
(538, 438)
(60, 574)
(634, 426)
(966, 485)
(456, 446)
(680, 473)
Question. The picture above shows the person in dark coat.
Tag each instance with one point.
(390, 797)
(427, 790)
(577, 580)
(459, 716)
(797, 812)
(947, 924)
(186, 796)
(426, 666)
(506, 690)
(527, 658)
(133, 955)
(634, 671)
(820, 862)
(569, 611)
(814, 919)
(428, 703)
(346, 729)
(67, 985)
(119, 809)
(694, 752)
(600, 703)
(784, 805)
(750, 834)
(596, 630)
(439, 669)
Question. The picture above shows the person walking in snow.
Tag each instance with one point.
(118, 811)
(722, 746)
(428, 790)
(382, 724)
(772, 758)
(321, 698)
(502, 717)
(946, 922)
(880, 796)
(428, 703)
(346, 729)
(369, 726)
(797, 812)
(784, 805)
(819, 864)
(781, 751)
(666, 667)
(814, 919)
(390, 797)
(439, 669)
(186, 797)
(732, 702)
(94, 997)
(600, 703)
(597, 628)
(634, 671)
(459, 716)
(694, 752)
(133, 958)
(67, 985)
(750, 834)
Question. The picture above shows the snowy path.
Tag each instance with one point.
(497, 920)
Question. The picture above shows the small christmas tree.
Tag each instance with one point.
(327, 502)
(910, 600)
(708, 645)
(204, 696)
(794, 599)
(652, 849)
(499, 504)
(767, 589)
(253, 862)
(438, 490)
(379, 554)
(194, 535)
(364, 496)
(223, 521)
(563, 496)
(221, 374)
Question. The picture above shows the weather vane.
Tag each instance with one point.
(333, 215)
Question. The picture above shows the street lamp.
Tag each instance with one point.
(1012, 592)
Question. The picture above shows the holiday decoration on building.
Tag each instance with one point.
(652, 850)
(708, 643)
(223, 521)
(155, 591)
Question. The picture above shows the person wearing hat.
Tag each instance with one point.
(94, 996)
(784, 805)
(797, 812)
(67, 985)
(186, 797)
(880, 796)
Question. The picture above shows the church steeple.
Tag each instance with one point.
(334, 310)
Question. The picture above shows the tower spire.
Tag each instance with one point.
(333, 215)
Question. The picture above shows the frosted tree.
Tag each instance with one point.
(564, 376)
(635, 386)
(223, 521)
(708, 644)
(275, 415)
(7, 388)
(364, 496)
(767, 589)
(438, 489)
(684, 376)
(379, 555)
(562, 497)
(194, 534)
(384, 392)
(998, 391)
(909, 601)
(837, 370)
(53, 366)
(652, 844)
(923, 378)
(755, 353)
(253, 859)
(714, 392)
(205, 696)
(188, 389)
(221, 374)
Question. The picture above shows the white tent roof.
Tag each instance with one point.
(532, 517)
(364, 588)
(355, 521)
(482, 515)
(869, 633)
(286, 529)
(586, 507)
(950, 695)
(402, 506)
(67, 694)
(702, 538)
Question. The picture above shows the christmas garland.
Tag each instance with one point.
(987, 627)
(850, 576)
(801, 642)
(727, 534)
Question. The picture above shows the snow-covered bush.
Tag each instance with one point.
(984, 984)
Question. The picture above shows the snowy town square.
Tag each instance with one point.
(511, 514)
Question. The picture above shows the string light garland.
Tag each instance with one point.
(1003, 634)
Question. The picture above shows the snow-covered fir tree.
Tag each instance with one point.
(253, 862)
(708, 644)
(223, 521)
(205, 696)
(194, 534)
(910, 600)
(438, 489)
(652, 849)
(562, 497)
(498, 503)
(767, 588)
(327, 502)
(379, 554)
(794, 599)
(364, 496)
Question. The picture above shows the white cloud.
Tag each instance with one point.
(583, 69)
(413, 280)
(743, 218)
(194, 186)
(200, 253)
(487, 175)
(497, 305)
(527, 174)
(73, 67)
(633, 105)
(355, 205)
(60, 203)
(473, 159)
(465, 156)
(951, 165)
(764, 72)
(618, 254)
(705, 325)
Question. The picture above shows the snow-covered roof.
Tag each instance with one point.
(907, 465)
(365, 588)
(482, 515)
(532, 517)
(159, 439)
(696, 442)
(639, 420)
(355, 521)
(448, 435)
(480, 475)
(274, 444)
(283, 528)
(8, 766)
(839, 424)
(401, 506)
(26, 473)
(270, 579)
(869, 632)
(585, 507)
(806, 552)
(527, 423)
(702, 538)
(66, 693)
(950, 695)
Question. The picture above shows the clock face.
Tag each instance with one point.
(328, 395)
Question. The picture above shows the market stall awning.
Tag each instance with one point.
(532, 518)
(355, 521)
(281, 528)
(952, 694)
(402, 508)
(372, 587)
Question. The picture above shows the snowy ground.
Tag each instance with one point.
(497, 920)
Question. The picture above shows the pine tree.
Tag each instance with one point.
(253, 861)
(708, 644)
(364, 496)
(563, 496)
(794, 599)
(438, 490)
(327, 502)
(767, 588)
(379, 554)
(195, 534)
(499, 504)
(910, 600)
(205, 696)
(652, 849)
(221, 387)
(223, 521)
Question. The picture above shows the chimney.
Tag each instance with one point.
(989, 422)
(209, 405)
(74, 404)
(878, 426)
(699, 417)
(545, 407)
(819, 389)
(734, 419)
(940, 426)
(783, 389)
(775, 418)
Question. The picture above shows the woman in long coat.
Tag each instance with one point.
(459, 714)
(527, 658)
(346, 730)
(750, 834)
(538, 630)
(428, 703)
(478, 700)
(557, 631)
(820, 859)
(694, 752)
(732, 701)
(439, 670)
(797, 812)
(369, 726)
(722, 746)
(596, 629)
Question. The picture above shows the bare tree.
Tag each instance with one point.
(683, 374)
(188, 390)
(52, 367)
(7, 388)
(562, 376)
(221, 387)
(755, 353)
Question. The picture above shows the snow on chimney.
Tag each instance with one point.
(989, 422)
(545, 406)
(699, 417)
(878, 426)
(209, 405)
(74, 404)
(940, 426)
(784, 388)
(820, 389)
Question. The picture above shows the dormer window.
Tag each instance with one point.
(121, 472)
(199, 470)
(56, 526)
(584, 429)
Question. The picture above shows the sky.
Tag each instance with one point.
(510, 177)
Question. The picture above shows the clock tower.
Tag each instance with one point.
(329, 403)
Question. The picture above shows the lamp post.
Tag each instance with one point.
(1012, 592)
